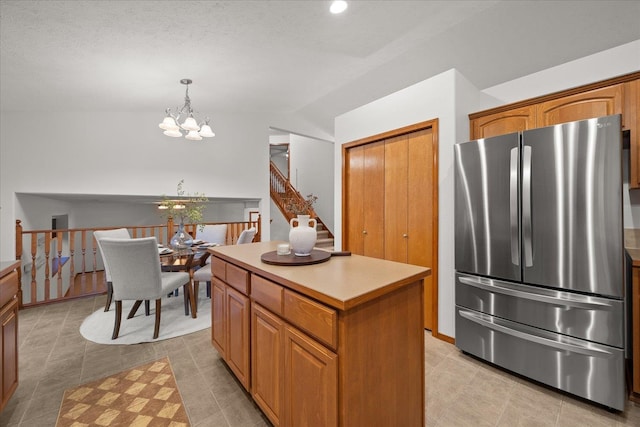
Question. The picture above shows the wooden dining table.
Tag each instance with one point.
(189, 260)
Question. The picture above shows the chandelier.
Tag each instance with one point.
(193, 130)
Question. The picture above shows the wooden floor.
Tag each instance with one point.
(87, 284)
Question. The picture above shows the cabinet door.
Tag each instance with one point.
(594, 103)
(237, 351)
(635, 329)
(267, 362)
(364, 201)
(421, 216)
(9, 350)
(218, 316)
(310, 382)
(515, 120)
(396, 186)
(632, 123)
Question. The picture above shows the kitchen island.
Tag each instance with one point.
(340, 343)
(9, 301)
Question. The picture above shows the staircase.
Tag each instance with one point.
(282, 193)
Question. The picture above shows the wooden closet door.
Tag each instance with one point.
(364, 200)
(354, 200)
(420, 214)
(396, 152)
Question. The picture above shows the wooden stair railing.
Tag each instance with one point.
(283, 193)
(63, 259)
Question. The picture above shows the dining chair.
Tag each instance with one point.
(118, 233)
(213, 233)
(136, 275)
(203, 274)
(246, 236)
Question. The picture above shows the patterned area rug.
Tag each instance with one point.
(143, 396)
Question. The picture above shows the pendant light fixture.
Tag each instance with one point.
(193, 130)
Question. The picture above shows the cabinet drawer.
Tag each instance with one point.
(218, 268)
(8, 287)
(315, 318)
(267, 293)
(238, 278)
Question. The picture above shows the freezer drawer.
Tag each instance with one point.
(592, 371)
(591, 318)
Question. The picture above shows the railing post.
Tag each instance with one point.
(19, 258)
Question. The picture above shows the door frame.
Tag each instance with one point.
(429, 124)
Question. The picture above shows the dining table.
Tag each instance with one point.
(187, 259)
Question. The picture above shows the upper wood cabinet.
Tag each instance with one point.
(581, 106)
(515, 120)
(620, 95)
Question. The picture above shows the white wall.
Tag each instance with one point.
(311, 162)
(126, 154)
(449, 97)
(431, 99)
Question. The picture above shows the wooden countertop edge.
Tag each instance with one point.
(324, 298)
(14, 265)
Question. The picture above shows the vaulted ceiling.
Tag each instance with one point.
(282, 56)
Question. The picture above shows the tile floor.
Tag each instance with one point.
(461, 391)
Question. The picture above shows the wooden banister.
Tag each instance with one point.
(59, 268)
(283, 194)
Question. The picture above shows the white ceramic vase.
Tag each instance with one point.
(302, 237)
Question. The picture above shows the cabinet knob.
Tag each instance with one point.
(364, 231)
(405, 235)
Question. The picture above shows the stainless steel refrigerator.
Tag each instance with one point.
(539, 255)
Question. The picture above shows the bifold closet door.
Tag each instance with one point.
(364, 200)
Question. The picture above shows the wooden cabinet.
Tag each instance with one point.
(620, 95)
(631, 118)
(334, 344)
(510, 121)
(230, 320)
(8, 330)
(635, 328)
(586, 105)
(390, 204)
(267, 363)
(310, 382)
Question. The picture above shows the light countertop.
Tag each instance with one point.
(632, 244)
(341, 282)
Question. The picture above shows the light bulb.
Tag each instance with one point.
(338, 6)
(193, 135)
(206, 131)
(190, 124)
(175, 133)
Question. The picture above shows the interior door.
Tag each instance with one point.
(364, 205)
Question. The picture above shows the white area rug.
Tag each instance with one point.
(98, 327)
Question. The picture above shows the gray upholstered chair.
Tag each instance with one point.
(203, 274)
(246, 236)
(118, 233)
(136, 275)
(214, 233)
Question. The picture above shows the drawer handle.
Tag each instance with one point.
(489, 285)
(494, 324)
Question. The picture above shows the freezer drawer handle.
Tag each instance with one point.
(504, 289)
(496, 326)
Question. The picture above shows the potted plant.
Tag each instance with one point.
(301, 206)
(186, 208)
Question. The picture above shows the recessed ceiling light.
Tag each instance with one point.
(338, 6)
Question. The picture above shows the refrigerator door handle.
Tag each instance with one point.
(564, 300)
(513, 207)
(495, 324)
(526, 206)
